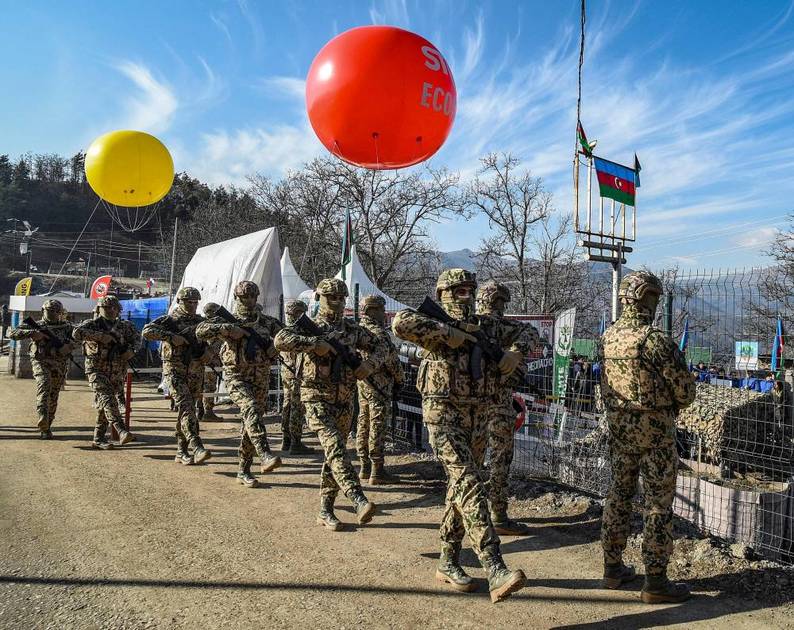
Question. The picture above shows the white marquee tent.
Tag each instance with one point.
(291, 283)
(355, 275)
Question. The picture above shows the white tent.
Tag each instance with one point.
(216, 269)
(355, 275)
(291, 283)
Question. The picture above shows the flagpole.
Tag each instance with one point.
(623, 210)
(601, 215)
(576, 187)
(589, 193)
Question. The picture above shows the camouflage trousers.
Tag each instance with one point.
(500, 447)
(248, 390)
(186, 386)
(331, 422)
(658, 466)
(210, 385)
(49, 381)
(374, 416)
(458, 434)
(292, 411)
(106, 387)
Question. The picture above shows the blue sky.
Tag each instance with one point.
(702, 91)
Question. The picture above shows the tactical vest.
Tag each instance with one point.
(629, 379)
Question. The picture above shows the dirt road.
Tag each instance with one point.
(130, 539)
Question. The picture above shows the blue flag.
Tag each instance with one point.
(684, 337)
(777, 346)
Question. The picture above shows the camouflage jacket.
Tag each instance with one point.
(444, 372)
(389, 372)
(186, 356)
(327, 379)
(513, 335)
(43, 351)
(233, 352)
(101, 356)
(643, 368)
(291, 361)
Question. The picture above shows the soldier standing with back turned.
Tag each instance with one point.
(375, 410)
(455, 409)
(49, 361)
(517, 339)
(644, 383)
(327, 390)
(183, 369)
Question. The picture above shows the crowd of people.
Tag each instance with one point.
(470, 360)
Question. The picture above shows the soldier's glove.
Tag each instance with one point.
(455, 337)
(37, 335)
(178, 340)
(272, 353)
(321, 348)
(126, 356)
(469, 327)
(364, 370)
(234, 332)
(509, 362)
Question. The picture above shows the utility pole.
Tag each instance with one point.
(173, 262)
(139, 259)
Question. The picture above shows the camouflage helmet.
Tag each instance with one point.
(188, 293)
(246, 288)
(372, 301)
(635, 285)
(108, 300)
(52, 305)
(332, 286)
(491, 291)
(210, 308)
(295, 307)
(450, 278)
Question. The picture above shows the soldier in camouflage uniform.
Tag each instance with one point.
(108, 344)
(644, 383)
(247, 375)
(374, 411)
(516, 339)
(183, 369)
(327, 391)
(455, 410)
(292, 409)
(49, 362)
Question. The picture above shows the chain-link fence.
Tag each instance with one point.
(736, 441)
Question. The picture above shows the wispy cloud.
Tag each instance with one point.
(221, 24)
(392, 12)
(290, 87)
(153, 105)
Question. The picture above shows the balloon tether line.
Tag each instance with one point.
(74, 245)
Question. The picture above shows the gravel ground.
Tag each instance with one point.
(129, 539)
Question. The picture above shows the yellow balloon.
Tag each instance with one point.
(129, 168)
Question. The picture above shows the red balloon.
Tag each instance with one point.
(381, 97)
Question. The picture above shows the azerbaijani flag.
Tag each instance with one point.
(615, 181)
(347, 244)
(777, 347)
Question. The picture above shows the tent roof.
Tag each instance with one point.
(291, 283)
(355, 274)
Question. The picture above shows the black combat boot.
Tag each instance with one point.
(502, 582)
(48, 435)
(364, 508)
(299, 448)
(200, 454)
(505, 526)
(615, 575)
(366, 470)
(326, 517)
(286, 442)
(660, 590)
(450, 571)
(269, 461)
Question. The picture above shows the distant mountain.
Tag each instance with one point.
(460, 258)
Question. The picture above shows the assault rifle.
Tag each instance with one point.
(196, 348)
(255, 340)
(117, 347)
(482, 345)
(343, 354)
(51, 339)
